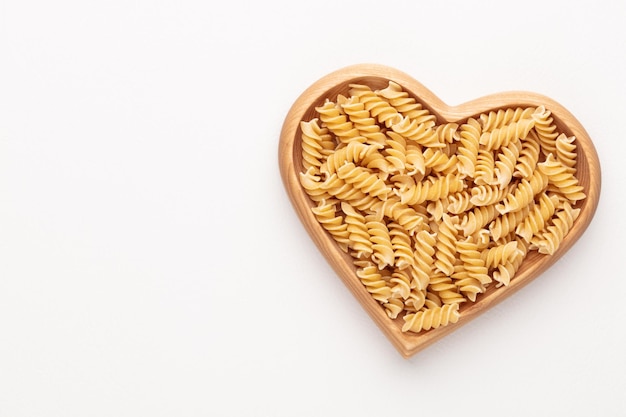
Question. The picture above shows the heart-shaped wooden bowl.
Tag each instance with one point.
(377, 77)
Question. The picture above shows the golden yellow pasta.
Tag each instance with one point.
(435, 214)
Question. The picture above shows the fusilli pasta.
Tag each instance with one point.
(434, 213)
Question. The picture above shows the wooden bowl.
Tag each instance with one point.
(377, 77)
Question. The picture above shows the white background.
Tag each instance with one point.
(150, 260)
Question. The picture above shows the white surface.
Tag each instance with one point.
(151, 263)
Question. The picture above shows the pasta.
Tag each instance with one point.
(505, 165)
(446, 290)
(378, 107)
(549, 240)
(362, 121)
(356, 152)
(433, 188)
(561, 178)
(546, 130)
(537, 217)
(529, 155)
(362, 179)
(382, 249)
(446, 249)
(566, 152)
(495, 120)
(316, 143)
(326, 214)
(435, 214)
(431, 318)
(506, 134)
(338, 124)
(468, 150)
(424, 258)
(407, 106)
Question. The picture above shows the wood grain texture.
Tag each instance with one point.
(377, 76)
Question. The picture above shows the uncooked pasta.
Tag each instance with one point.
(435, 213)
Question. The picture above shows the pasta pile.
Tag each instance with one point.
(434, 214)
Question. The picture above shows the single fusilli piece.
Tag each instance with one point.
(524, 193)
(472, 261)
(506, 134)
(506, 161)
(546, 130)
(445, 252)
(362, 121)
(400, 283)
(379, 108)
(487, 195)
(500, 254)
(434, 188)
(425, 243)
(497, 119)
(402, 246)
(485, 168)
(431, 319)
(326, 215)
(566, 151)
(528, 156)
(372, 280)
(359, 237)
(364, 180)
(406, 105)
(468, 286)
(467, 152)
(562, 179)
(550, 240)
(358, 153)
(537, 217)
(382, 249)
(337, 187)
(317, 144)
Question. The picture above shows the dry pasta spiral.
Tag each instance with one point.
(363, 122)
(406, 105)
(496, 119)
(561, 178)
(431, 319)
(550, 239)
(566, 151)
(528, 157)
(373, 280)
(377, 106)
(546, 130)
(504, 135)
(326, 214)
